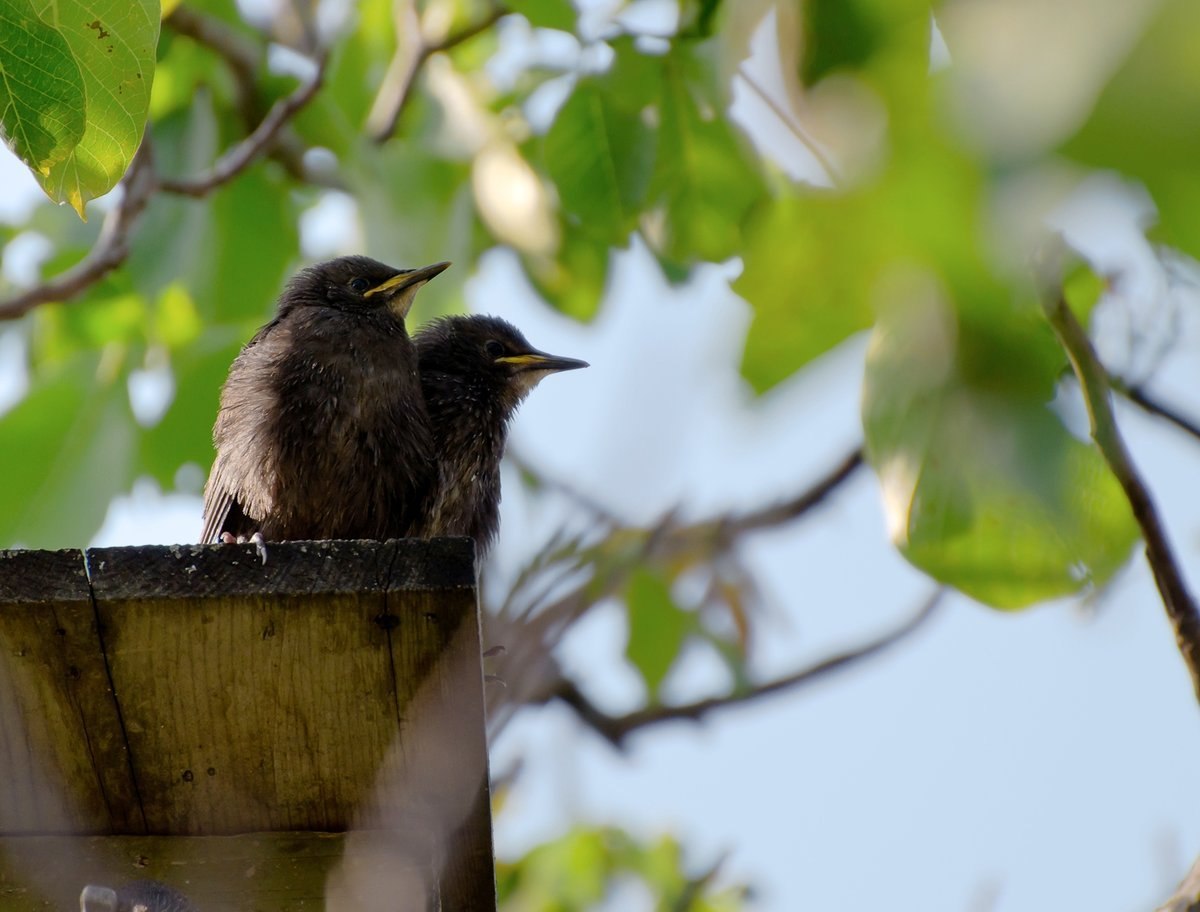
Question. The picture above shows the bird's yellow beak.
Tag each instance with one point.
(401, 288)
(540, 361)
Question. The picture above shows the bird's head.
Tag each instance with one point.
(486, 355)
(359, 283)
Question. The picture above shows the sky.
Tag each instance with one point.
(1010, 762)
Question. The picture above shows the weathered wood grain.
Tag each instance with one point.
(63, 760)
(191, 692)
(219, 873)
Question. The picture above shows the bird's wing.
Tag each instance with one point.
(219, 504)
(232, 500)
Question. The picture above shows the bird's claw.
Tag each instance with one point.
(260, 545)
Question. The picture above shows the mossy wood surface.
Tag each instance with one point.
(182, 695)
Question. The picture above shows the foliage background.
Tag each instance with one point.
(841, 168)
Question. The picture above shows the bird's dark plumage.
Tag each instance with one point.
(474, 373)
(322, 430)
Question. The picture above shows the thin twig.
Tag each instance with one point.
(244, 58)
(1094, 382)
(242, 55)
(110, 250)
(616, 729)
(1186, 897)
(806, 500)
(398, 83)
(245, 153)
(1147, 403)
(533, 626)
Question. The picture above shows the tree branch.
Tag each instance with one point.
(398, 83)
(1144, 401)
(1186, 897)
(244, 58)
(240, 157)
(110, 250)
(617, 729)
(1094, 382)
(801, 503)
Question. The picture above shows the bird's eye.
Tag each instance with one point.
(493, 348)
(360, 284)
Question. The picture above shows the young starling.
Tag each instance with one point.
(322, 430)
(474, 372)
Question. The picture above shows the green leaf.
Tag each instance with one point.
(599, 154)
(417, 208)
(111, 49)
(1144, 124)
(836, 34)
(574, 280)
(810, 264)
(983, 487)
(554, 14)
(75, 434)
(40, 89)
(233, 251)
(600, 149)
(658, 628)
(185, 432)
(697, 18)
(705, 179)
(1083, 290)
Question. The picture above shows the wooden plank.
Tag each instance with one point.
(292, 871)
(434, 781)
(259, 697)
(338, 686)
(63, 764)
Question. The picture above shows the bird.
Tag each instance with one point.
(322, 430)
(475, 372)
(135, 896)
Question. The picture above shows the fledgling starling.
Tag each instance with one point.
(474, 372)
(136, 896)
(322, 430)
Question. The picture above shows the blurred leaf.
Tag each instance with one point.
(185, 432)
(555, 14)
(599, 154)
(232, 250)
(836, 34)
(697, 17)
(601, 147)
(983, 487)
(250, 248)
(111, 46)
(574, 280)
(658, 628)
(1144, 123)
(336, 117)
(41, 89)
(184, 68)
(704, 177)
(418, 208)
(75, 436)
(1083, 290)
(645, 144)
(577, 872)
(176, 322)
(100, 319)
(810, 263)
